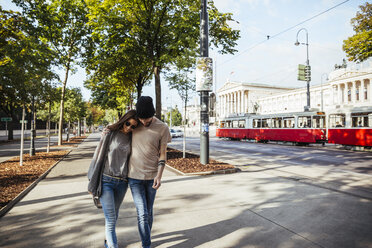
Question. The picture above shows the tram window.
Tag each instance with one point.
(241, 123)
(270, 123)
(265, 123)
(304, 121)
(222, 124)
(318, 121)
(228, 124)
(336, 120)
(235, 124)
(277, 123)
(360, 119)
(256, 123)
(288, 122)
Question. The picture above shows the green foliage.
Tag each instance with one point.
(25, 63)
(132, 38)
(176, 117)
(359, 46)
(75, 107)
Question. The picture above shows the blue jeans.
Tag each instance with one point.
(113, 192)
(144, 197)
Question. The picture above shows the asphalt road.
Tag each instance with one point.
(245, 153)
(12, 149)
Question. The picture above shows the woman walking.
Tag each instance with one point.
(108, 172)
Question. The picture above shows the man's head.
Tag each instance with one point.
(145, 110)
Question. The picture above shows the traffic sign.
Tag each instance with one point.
(25, 121)
(6, 118)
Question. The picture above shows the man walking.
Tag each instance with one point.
(146, 166)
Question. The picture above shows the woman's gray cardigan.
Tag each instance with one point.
(97, 165)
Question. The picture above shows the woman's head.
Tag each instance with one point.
(126, 123)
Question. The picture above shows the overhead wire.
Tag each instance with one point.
(269, 37)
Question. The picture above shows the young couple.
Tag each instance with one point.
(131, 152)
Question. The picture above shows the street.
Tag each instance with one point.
(12, 149)
(280, 199)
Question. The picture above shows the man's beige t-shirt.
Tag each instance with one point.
(146, 141)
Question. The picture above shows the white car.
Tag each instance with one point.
(179, 133)
(173, 133)
(176, 133)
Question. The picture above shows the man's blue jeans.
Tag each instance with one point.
(113, 192)
(144, 197)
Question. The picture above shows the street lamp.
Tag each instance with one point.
(297, 43)
(321, 89)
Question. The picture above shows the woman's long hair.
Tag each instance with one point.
(131, 114)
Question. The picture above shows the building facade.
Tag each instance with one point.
(239, 98)
(347, 90)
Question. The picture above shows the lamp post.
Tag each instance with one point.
(321, 90)
(307, 108)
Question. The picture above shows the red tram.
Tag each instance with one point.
(302, 128)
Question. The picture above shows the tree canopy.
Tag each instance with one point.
(359, 46)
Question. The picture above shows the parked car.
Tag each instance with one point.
(179, 133)
(173, 133)
(176, 133)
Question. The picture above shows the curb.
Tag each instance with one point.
(203, 173)
(15, 200)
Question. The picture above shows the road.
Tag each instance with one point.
(12, 149)
(330, 166)
(284, 197)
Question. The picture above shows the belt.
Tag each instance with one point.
(119, 178)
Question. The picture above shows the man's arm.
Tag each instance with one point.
(162, 157)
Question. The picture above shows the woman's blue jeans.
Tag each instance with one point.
(113, 192)
(144, 197)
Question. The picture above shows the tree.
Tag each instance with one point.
(158, 32)
(25, 63)
(115, 61)
(359, 46)
(176, 117)
(62, 25)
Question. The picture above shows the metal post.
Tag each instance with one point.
(204, 95)
(33, 131)
(308, 80)
(22, 136)
(307, 107)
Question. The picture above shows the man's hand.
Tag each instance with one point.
(157, 183)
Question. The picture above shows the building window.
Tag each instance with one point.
(357, 94)
(349, 95)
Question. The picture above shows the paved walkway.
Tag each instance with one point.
(247, 209)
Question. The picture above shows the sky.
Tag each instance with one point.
(270, 61)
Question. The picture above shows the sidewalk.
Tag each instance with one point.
(247, 209)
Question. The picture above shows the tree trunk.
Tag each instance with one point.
(60, 126)
(157, 92)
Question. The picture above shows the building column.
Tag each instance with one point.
(346, 89)
(339, 94)
(228, 104)
(243, 101)
(369, 90)
(353, 92)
